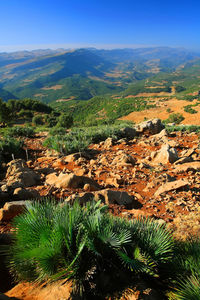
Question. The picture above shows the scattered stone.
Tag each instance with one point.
(108, 197)
(25, 194)
(187, 152)
(108, 143)
(166, 155)
(170, 186)
(80, 171)
(64, 181)
(124, 159)
(11, 210)
(161, 134)
(186, 167)
(183, 160)
(72, 157)
(114, 181)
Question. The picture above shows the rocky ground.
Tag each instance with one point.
(149, 173)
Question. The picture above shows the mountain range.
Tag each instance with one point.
(80, 74)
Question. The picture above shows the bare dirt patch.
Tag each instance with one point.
(54, 87)
(160, 111)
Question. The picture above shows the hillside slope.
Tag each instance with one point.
(81, 74)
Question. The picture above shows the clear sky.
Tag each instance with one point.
(36, 24)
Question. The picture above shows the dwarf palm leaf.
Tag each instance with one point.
(188, 289)
(153, 239)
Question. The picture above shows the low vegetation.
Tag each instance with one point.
(101, 254)
(99, 110)
(176, 118)
(78, 139)
(19, 131)
(10, 148)
(189, 109)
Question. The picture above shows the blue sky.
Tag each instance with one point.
(99, 23)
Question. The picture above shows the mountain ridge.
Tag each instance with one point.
(53, 75)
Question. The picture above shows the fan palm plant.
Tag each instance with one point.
(186, 270)
(100, 253)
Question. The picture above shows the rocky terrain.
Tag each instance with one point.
(149, 173)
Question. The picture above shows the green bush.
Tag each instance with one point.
(179, 89)
(57, 131)
(79, 139)
(20, 131)
(8, 147)
(189, 109)
(25, 114)
(175, 118)
(100, 253)
(65, 121)
(38, 120)
(69, 143)
(182, 128)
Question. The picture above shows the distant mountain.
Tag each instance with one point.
(5, 95)
(51, 75)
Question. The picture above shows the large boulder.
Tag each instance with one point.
(64, 181)
(128, 132)
(165, 155)
(19, 175)
(152, 126)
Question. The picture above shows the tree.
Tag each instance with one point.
(38, 120)
(65, 121)
(4, 112)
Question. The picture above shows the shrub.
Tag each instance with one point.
(100, 253)
(51, 121)
(190, 97)
(175, 118)
(79, 139)
(20, 131)
(65, 121)
(38, 120)
(189, 109)
(189, 128)
(68, 143)
(179, 89)
(57, 131)
(168, 110)
(9, 146)
(25, 114)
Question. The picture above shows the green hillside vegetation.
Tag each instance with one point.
(85, 73)
(102, 108)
